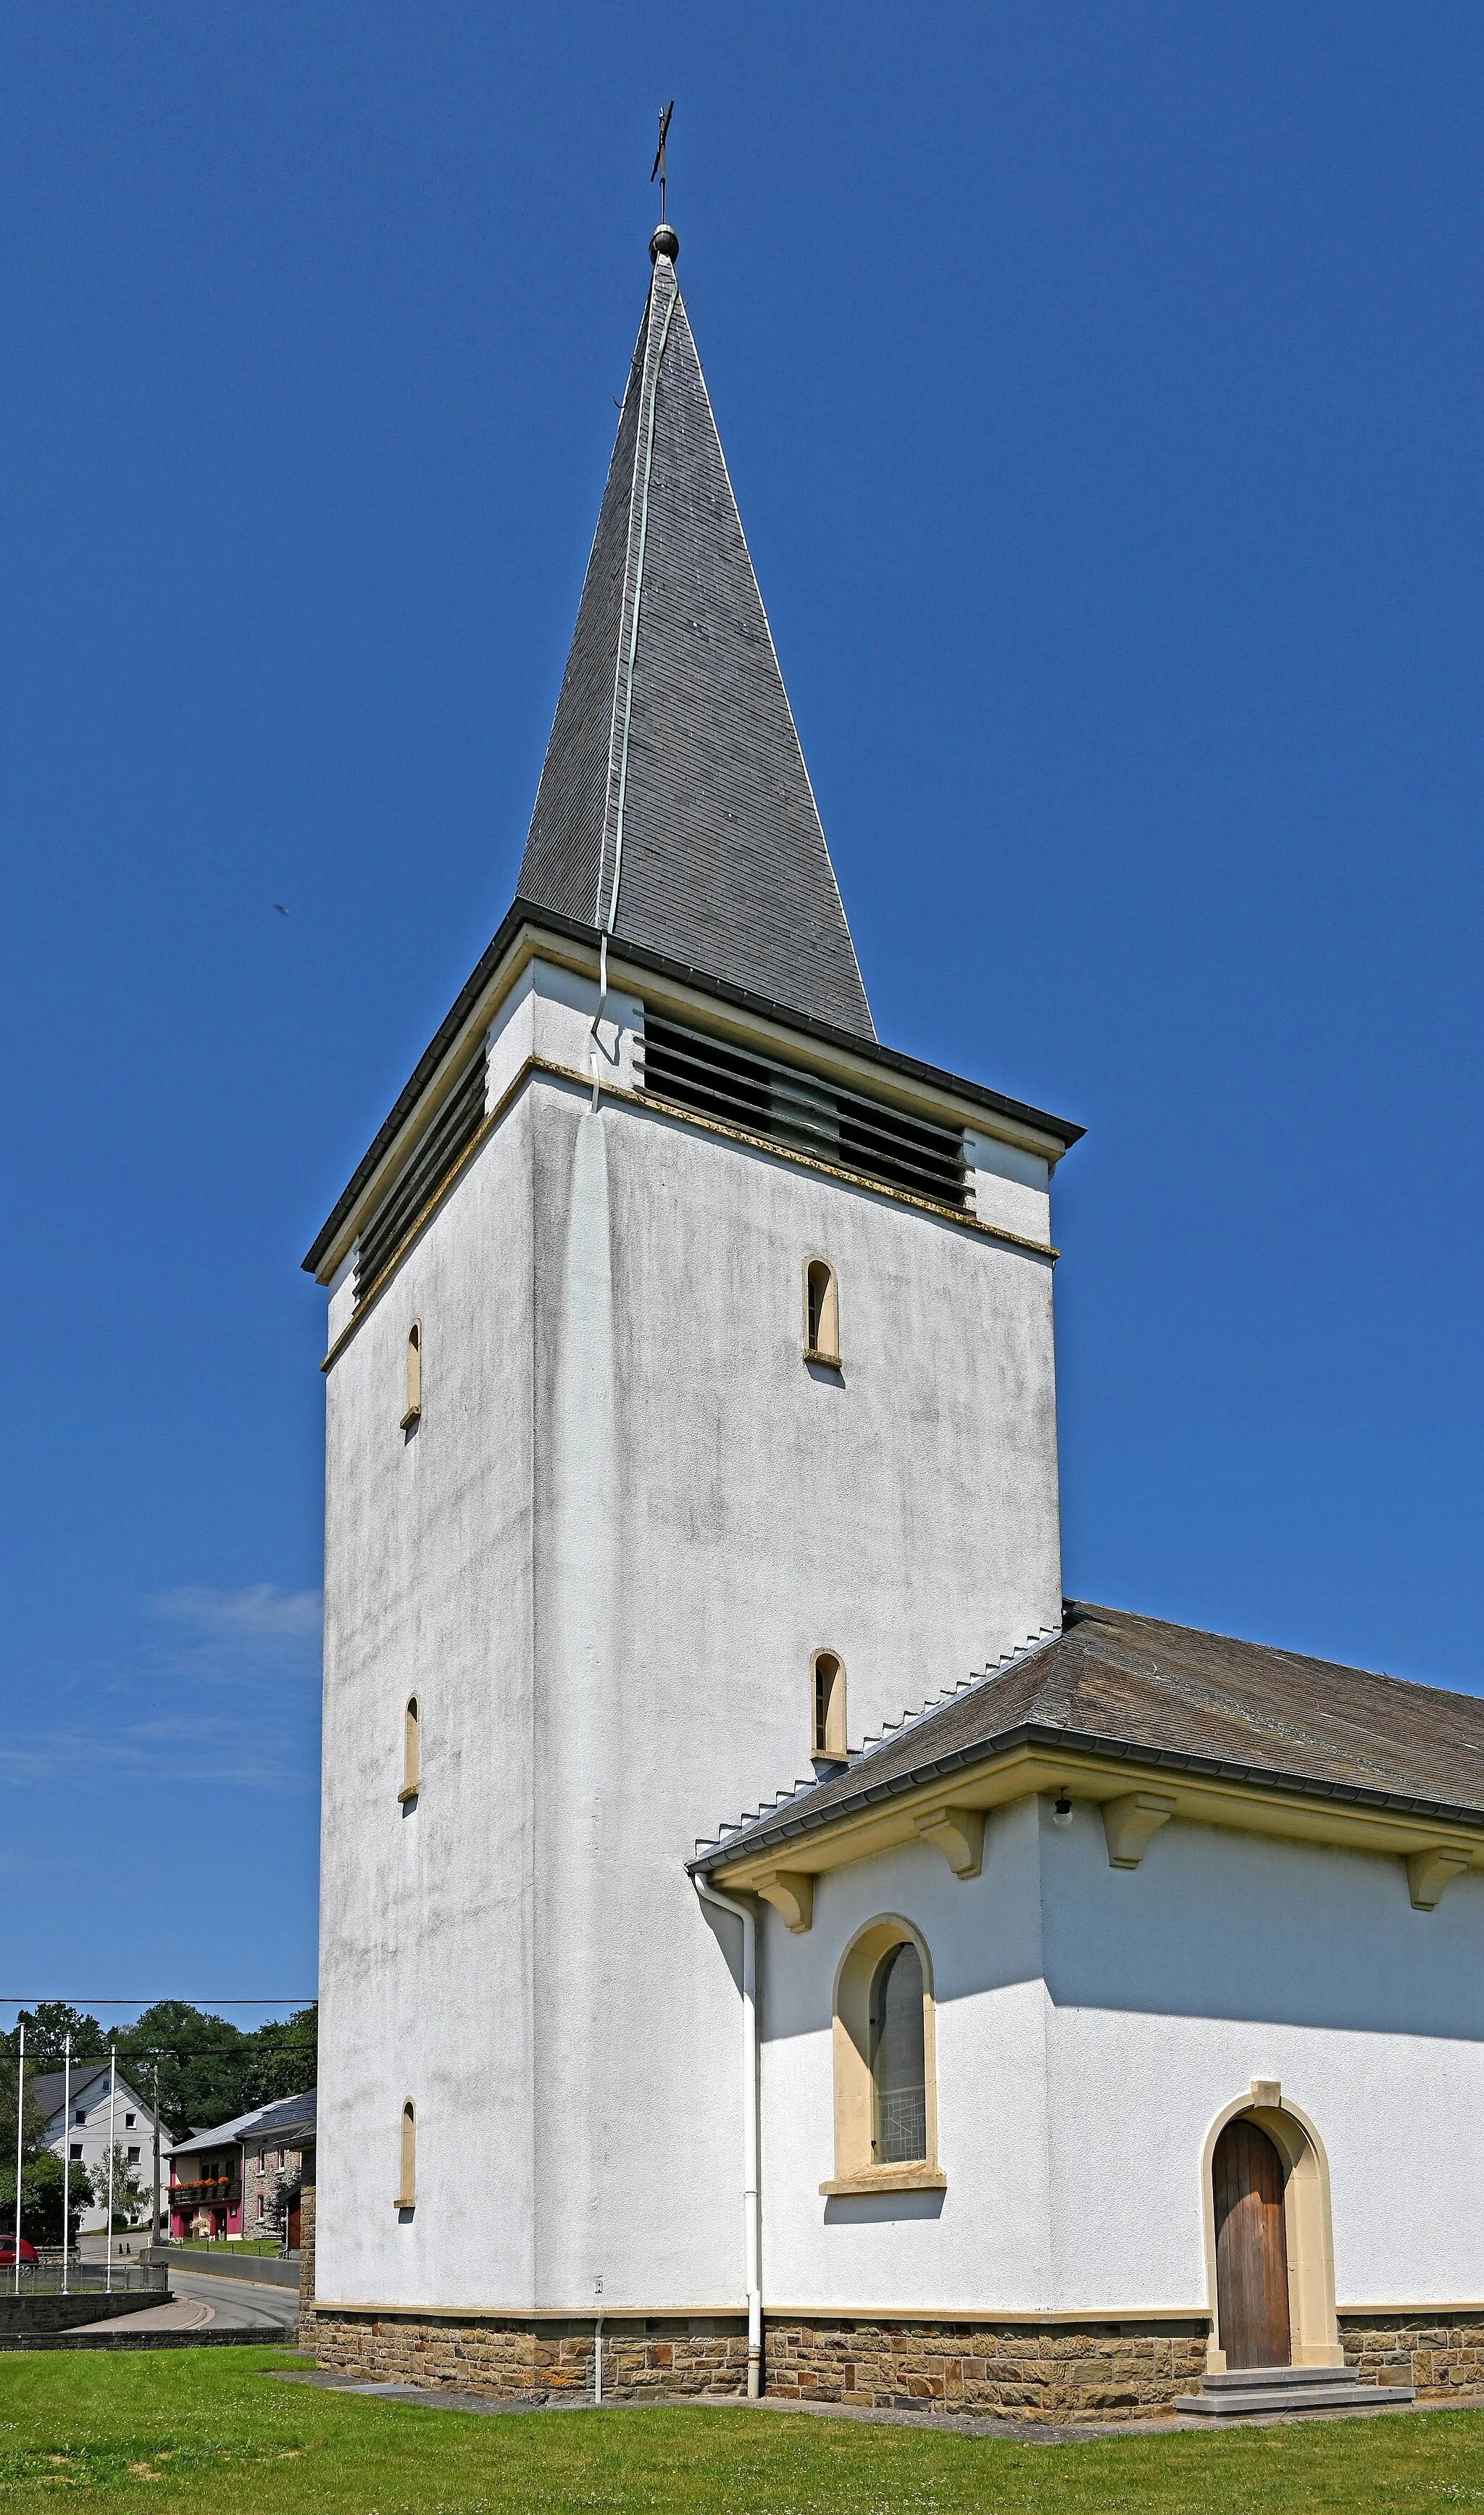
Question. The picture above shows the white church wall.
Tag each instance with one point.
(1226, 1958)
(1011, 1187)
(548, 1013)
(982, 2242)
(709, 1513)
(1074, 2107)
(426, 1909)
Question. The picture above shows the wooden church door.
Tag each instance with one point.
(1251, 2248)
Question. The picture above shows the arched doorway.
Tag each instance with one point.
(1248, 2177)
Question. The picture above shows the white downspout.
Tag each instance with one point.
(748, 1918)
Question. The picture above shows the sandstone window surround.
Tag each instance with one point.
(407, 2196)
(828, 1734)
(821, 1313)
(413, 1412)
(412, 1752)
(876, 2044)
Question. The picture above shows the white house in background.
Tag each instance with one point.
(1072, 2030)
(77, 2126)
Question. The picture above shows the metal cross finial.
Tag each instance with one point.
(658, 168)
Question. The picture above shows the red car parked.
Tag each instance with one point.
(8, 2253)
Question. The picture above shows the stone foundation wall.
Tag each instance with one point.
(1443, 2356)
(515, 2358)
(307, 2267)
(1054, 2371)
(1059, 2372)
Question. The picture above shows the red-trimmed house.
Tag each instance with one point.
(206, 2181)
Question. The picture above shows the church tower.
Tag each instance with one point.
(690, 1418)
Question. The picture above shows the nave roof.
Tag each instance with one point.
(1174, 1699)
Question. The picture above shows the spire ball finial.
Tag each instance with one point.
(664, 242)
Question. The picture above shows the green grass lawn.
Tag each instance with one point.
(206, 2429)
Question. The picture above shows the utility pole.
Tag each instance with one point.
(112, 2100)
(20, 2133)
(67, 2150)
(155, 2222)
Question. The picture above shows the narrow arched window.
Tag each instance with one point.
(412, 1750)
(898, 2058)
(414, 1386)
(821, 1312)
(829, 1708)
(406, 2198)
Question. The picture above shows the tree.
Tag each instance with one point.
(285, 2057)
(204, 2063)
(128, 2192)
(42, 2175)
(47, 2028)
(211, 2071)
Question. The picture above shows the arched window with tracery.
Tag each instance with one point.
(898, 2058)
(885, 2101)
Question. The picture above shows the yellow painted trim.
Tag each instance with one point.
(1429, 1873)
(996, 1232)
(979, 2314)
(893, 2314)
(790, 1894)
(1313, 2339)
(1026, 1771)
(588, 2313)
(888, 2178)
(856, 2169)
(651, 1100)
(1130, 1824)
(958, 1833)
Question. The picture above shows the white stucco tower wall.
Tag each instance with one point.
(602, 1560)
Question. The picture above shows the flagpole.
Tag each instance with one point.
(66, 2151)
(112, 2092)
(19, 2130)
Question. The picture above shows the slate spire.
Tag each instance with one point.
(675, 810)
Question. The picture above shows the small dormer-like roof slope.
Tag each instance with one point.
(675, 811)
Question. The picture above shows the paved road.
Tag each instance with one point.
(226, 2304)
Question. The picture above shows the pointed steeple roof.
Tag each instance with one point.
(675, 811)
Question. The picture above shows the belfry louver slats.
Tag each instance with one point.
(451, 1134)
(784, 1105)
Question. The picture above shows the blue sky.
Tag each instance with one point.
(1101, 393)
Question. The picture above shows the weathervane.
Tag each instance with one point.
(658, 168)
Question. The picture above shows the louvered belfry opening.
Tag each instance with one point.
(451, 1134)
(785, 1105)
